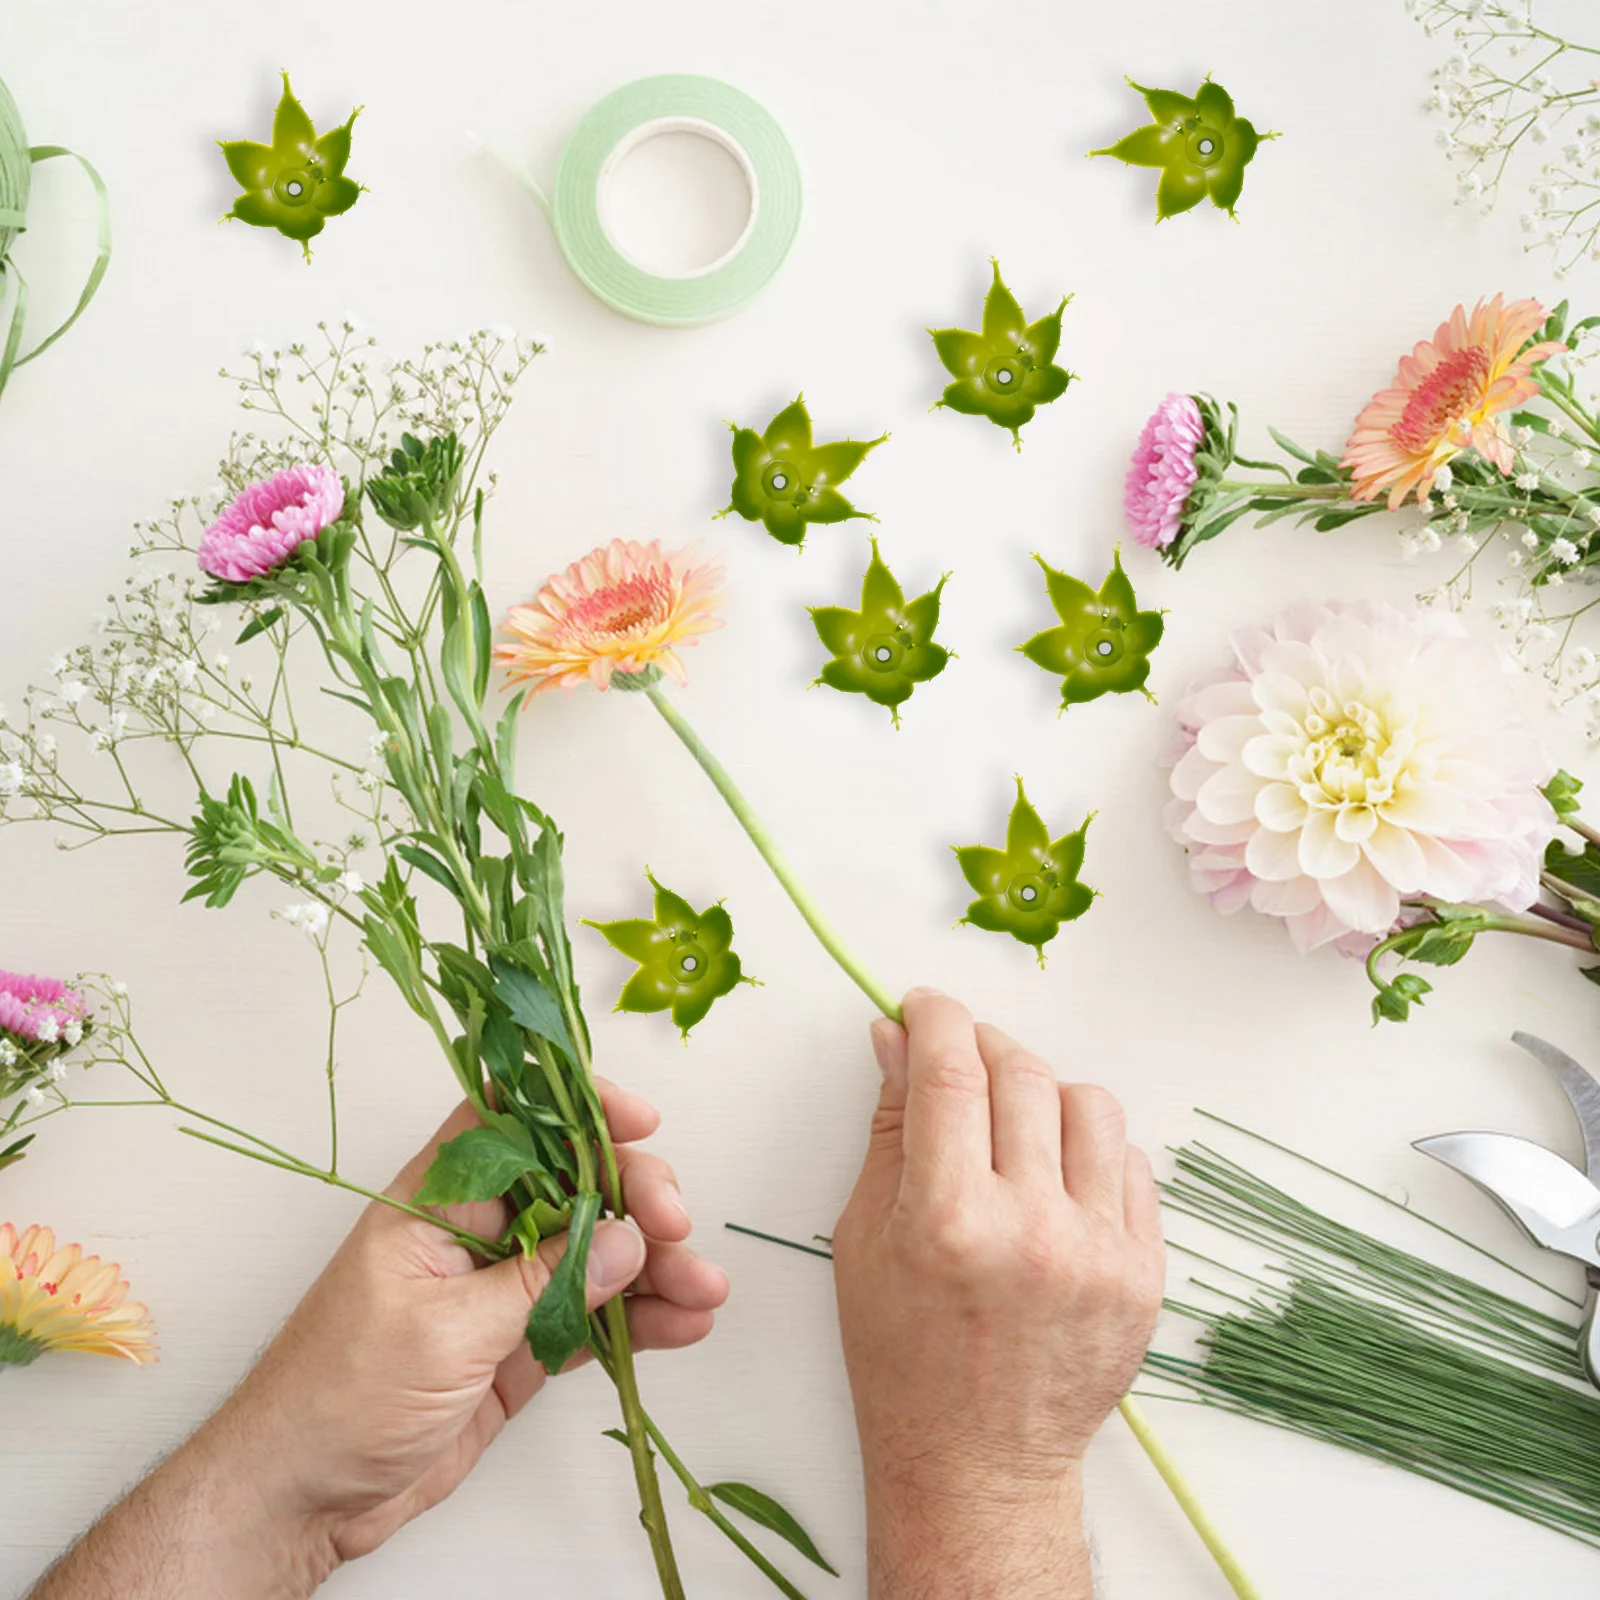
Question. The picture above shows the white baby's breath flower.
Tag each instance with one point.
(311, 917)
(1582, 459)
(47, 1030)
(1527, 481)
(1530, 540)
(73, 1033)
(1564, 551)
(351, 882)
(73, 691)
(34, 1095)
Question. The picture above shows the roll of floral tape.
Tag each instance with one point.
(17, 161)
(676, 103)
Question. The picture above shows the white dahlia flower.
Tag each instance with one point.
(1357, 756)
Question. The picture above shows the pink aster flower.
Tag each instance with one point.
(269, 521)
(38, 1008)
(1163, 471)
(625, 607)
(1355, 757)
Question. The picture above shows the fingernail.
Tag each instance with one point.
(675, 1203)
(921, 992)
(616, 1254)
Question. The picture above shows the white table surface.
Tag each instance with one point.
(931, 136)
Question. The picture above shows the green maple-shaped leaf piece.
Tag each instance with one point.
(786, 482)
(686, 959)
(1006, 371)
(1031, 887)
(885, 649)
(1104, 640)
(1201, 146)
(297, 182)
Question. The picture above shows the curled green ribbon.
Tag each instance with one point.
(17, 161)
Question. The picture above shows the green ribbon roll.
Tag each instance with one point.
(676, 103)
(17, 161)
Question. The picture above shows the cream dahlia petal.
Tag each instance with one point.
(1228, 795)
(1292, 897)
(1362, 899)
(1281, 808)
(1323, 854)
(1355, 824)
(1223, 739)
(1397, 856)
(1191, 773)
(1273, 856)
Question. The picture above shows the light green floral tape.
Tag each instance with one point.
(17, 161)
(678, 103)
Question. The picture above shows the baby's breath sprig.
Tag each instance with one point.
(1509, 83)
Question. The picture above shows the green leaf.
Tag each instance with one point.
(259, 624)
(480, 1164)
(558, 1325)
(764, 1510)
(531, 1005)
(430, 865)
(1578, 877)
(1562, 792)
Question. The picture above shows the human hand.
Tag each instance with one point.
(407, 1357)
(999, 1270)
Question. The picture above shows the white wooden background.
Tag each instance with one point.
(931, 135)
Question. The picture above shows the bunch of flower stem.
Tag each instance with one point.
(1540, 523)
(1509, 84)
(402, 632)
(1346, 1338)
(1439, 933)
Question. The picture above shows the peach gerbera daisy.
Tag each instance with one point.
(1448, 396)
(57, 1298)
(625, 607)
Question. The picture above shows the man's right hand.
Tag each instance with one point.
(999, 1270)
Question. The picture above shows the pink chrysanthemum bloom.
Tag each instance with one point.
(1448, 396)
(625, 608)
(38, 1009)
(57, 1298)
(270, 521)
(1163, 471)
(1354, 757)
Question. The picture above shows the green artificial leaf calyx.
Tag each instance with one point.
(297, 182)
(885, 649)
(1201, 146)
(1031, 887)
(1104, 640)
(786, 482)
(1006, 371)
(686, 960)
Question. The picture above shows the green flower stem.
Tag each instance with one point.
(489, 1249)
(773, 856)
(1171, 1475)
(1565, 402)
(1286, 491)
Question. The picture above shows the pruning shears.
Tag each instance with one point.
(1555, 1203)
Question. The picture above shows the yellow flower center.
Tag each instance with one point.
(1350, 755)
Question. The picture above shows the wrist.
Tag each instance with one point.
(284, 1544)
(976, 1536)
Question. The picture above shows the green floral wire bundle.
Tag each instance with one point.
(351, 542)
(1340, 1336)
(1510, 84)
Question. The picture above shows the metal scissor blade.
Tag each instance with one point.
(1546, 1196)
(1580, 1089)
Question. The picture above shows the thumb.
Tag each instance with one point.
(879, 1183)
(500, 1297)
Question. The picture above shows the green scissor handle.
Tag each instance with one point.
(13, 340)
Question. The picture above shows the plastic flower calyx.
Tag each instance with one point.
(1201, 146)
(1103, 643)
(1031, 887)
(686, 960)
(1006, 371)
(297, 182)
(785, 482)
(885, 649)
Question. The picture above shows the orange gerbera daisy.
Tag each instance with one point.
(57, 1298)
(625, 607)
(1448, 396)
